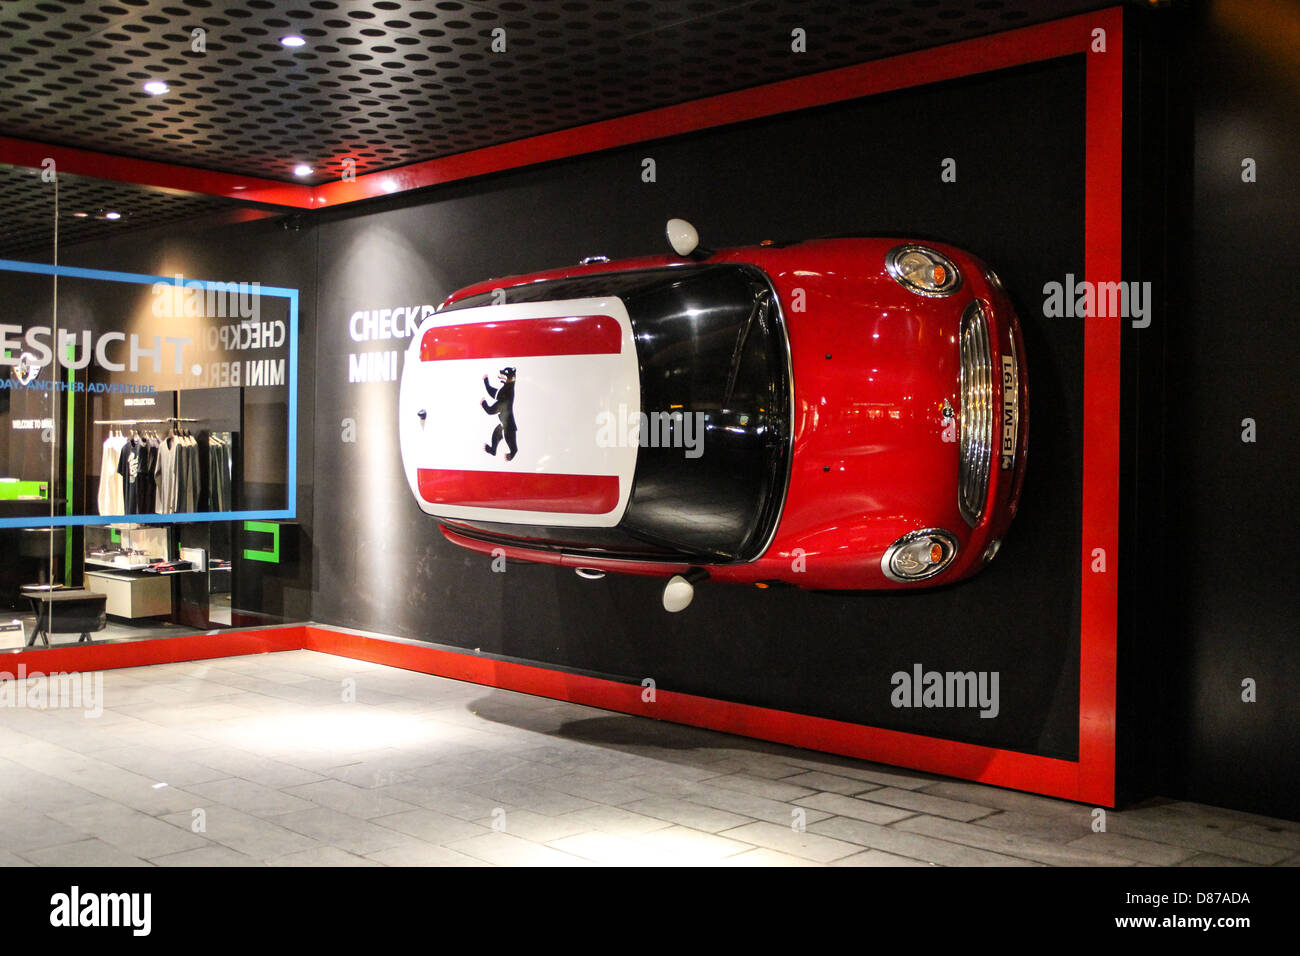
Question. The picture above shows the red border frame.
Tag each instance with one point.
(1092, 777)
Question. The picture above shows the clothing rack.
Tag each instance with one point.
(144, 421)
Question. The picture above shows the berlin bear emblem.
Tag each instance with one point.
(504, 409)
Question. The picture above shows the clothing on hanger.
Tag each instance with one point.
(111, 501)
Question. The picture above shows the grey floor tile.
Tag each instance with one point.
(1210, 859)
(696, 816)
(341, 830)
(833, 783)
(159, 766)
(530, 796)
(871, 773)
(250, 835)
(749, 805)
(836, 804)
(1011, 844)
(692, 847)
(878, 858)
(249, 797)
(810, 846)
(1200, 837)
(759, 787)
(536, 827)
(597, 789)
(927, 803)
(1131, 848)
(762, 856)
(419, 853)
(84, 853)
(616, 820)
(345, 798)
(24, 829)
(610, 850)
(129, 830)
(430, 826)
(207, 856)
(502, 849)
(1057, 827)
(247, 766)
(321, 856)
(1269, 835)
(914, 845)
(448, 800)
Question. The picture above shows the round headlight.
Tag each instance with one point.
(919, 555)
(923, 270)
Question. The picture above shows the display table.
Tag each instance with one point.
(65, 610)
(133, 595)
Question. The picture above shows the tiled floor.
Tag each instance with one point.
(261, 760)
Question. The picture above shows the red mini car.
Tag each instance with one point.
(831, 414)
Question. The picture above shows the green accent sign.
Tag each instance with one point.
(271, 556)
(71, 437)
(24, 490)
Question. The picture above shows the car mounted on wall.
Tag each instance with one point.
(831, 414)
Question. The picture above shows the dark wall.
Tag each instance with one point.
(380, 564)
(1234, 613)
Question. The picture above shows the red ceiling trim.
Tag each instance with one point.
(145, 172)
(1026, 45)
(951, 61)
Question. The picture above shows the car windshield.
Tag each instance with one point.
(715, 400)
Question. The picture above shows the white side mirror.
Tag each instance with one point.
(682, 236)
(678, 593)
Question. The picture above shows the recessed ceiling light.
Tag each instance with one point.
(156, 88)
(292, 40)
(112, 215)
(302, 169)
(80, 215)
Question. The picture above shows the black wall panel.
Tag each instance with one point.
(866, 167)
(1234, 613)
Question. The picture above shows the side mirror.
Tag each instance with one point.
(678, 593)
(685, 240)
(682, 236)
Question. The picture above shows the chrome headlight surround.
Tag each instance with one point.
(923, 270)
(909, 559)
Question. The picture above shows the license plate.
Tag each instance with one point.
(1010, 411)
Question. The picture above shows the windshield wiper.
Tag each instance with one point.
(760, 305)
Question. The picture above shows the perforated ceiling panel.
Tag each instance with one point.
(88, 209)
(392, 82)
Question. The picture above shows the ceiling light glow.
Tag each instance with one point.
(292, 40)
(156, 88)
(302, 169)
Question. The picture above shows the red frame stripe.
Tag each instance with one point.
(517, 338)
(520, 491)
